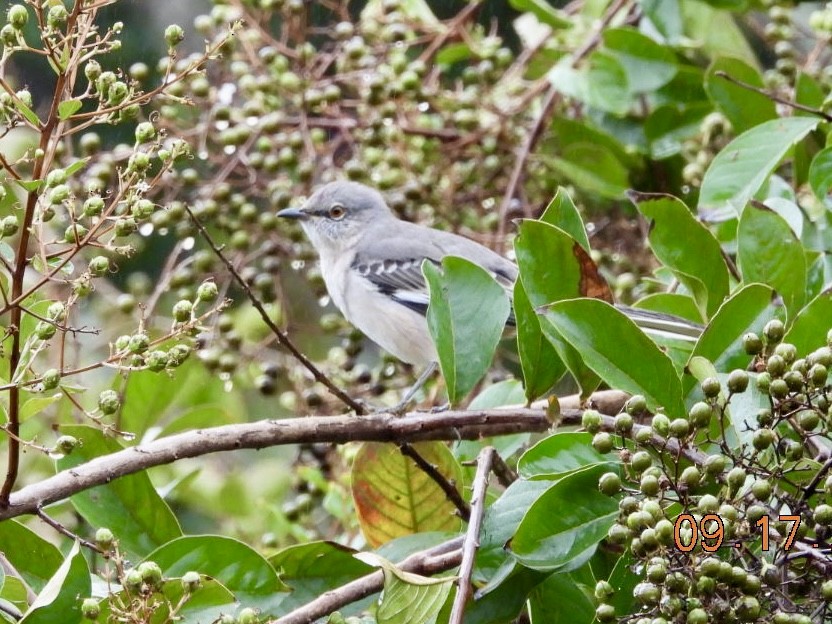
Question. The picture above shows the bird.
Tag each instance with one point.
(371, 263)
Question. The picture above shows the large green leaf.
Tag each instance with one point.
(539, 360)
(676, 304)
(32, 556)
(501, 521)
(129, 506)
(670, 125)
(809, 329)
(394, 497)
(617, 351)
(553, 266)
(687, 248)
(743, 166)
(560, 454)
(649, 65)
(769, 252)
(560, 599)
(60, 599)
(665, 16)
(569, 519)
(240, 568)
(466, 317)
(592, 168)
(745, 109)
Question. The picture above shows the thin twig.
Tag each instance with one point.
(66, 532)
(472, 535)
(505, 474)
(450, 490)
(773, 97)
(281, 336)
(440, 558)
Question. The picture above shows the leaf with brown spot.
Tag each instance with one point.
(394, 497)
(592, 284)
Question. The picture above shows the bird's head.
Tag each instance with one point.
(339, 213)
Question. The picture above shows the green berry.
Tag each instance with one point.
(752, 343)
(774, 331)
(623, 423)
(207, 292)
(182, 310)
(649, 485)
(138, 343)
(737, 381)
(108, 402)
(17, 16)
(156, 360)
(609, 483)
(151, 573)
(104, 537)
(9, 225)
(90, 608)
(125, 226)
(636, 405)
(93, 206)
(50, 379)
(99, 266)
(711, 387)
(44, 330)
(145, 132)
(191, 581)
(823, 514)
(66, 444)
(591, 421)
(602, 442)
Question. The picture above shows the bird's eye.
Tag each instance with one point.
(337, 211)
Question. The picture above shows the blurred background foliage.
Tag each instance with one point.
(467, 116)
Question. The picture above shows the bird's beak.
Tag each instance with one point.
(293, 213)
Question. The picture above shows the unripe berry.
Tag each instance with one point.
(207, 292)
(609, 483)
(66, 444)
(17, 16)
(636, 405)
(9, 226)
(90, 608)
(602, 442)
(99, 266)
(174, 34)
(591, 421)
(108, 402)
(151, 573)
(104, 538)
(774, 331)
(737, 381)
(145, 131)
(752, 343)
(711, 387)
(50, 379)
(182, 310)
(191, 581)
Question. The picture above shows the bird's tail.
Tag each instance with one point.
(663, 325)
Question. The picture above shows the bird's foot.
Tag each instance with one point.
(438, 409)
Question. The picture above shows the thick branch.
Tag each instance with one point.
(437, 559)
(455, 425)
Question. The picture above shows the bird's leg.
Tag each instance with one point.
(402, 405)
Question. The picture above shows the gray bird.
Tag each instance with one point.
(371, 262)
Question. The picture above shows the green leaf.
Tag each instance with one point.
(506, 599)
(608, 341)
(235, 564)
(743, 166)
(538, 358)
(770, 253)
(592, 168)
(59, 600)
(561, 454)
(501, 521)
(748, 309)
(569, 519)
(686, 247)
(649, 65)
(675, 304)
(716, 32)
(129, 506)
(68, 108)
(606, 84)
(820, 174)
(37, 404)
(666, 17)
(408, 598)
(743, 108)
(36, 559)
(466, 317)
(543, 11)
(560, 599)
(313, 568)
(28, 114)
(669, 126)
(76, 166)
(808, 331)
(553, 266)
(394, 497)
(29, 186)
(563, 214)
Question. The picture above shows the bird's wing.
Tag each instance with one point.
(394, 265)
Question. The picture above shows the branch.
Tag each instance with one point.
(472, 535)
(773, 97)
(281, 336)
(454, 425)
(432, 471)
(440, 558)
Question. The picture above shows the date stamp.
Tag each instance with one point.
(709, 532)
